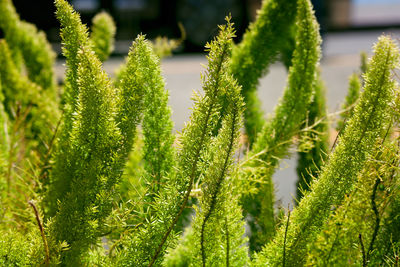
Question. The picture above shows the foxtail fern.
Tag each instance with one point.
(275, 138)
(313, 147)
(21, 95)
(217, 234)
(95, 162)
(30, 45)
(256, 52)
(4, 149)
(367, 124)
(75, 37)
(132, 86)
(157, 126)
(142, 85)
(157, 233)
(102, 35)
(360, 216)
(348, 106)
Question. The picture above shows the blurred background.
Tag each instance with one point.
(348, 27)
(201, 17)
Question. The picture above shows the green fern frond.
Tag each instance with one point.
(143, 88)
(350, 101)
(275, 138)
(26, 96)
(217, 228)
(256, 52)
(95, 162)
(75, 37)
(158, 153)
(359, 219)
(314, 145)
(29, 44)
(368, 123)
(157, 233)
(133, 83)
(103, 35)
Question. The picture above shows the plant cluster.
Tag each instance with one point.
(81, 184)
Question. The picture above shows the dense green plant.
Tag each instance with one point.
(259, 49)
(313, 145)
(102, 36)
(30, 47)
(369, 122)
(106, 194)
(275, 138)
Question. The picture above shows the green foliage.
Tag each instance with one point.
(275, 138)
(360, 216)
(17, 249)
(22, 95)
(313, 145)
(369, 122)
(112, 197)
(28, 118)
(95, 162)
(218, 230)
(74, 35)
(163, 47)
(132, 84)
(157, 233)
(30, 46)
(153, 156)
(102, 35)
(350, 101)
(259, 48)
(157, 126)
(364, 62)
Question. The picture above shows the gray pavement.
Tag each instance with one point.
(341, 59)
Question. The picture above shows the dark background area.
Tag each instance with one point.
(152, 17)
(199, 17)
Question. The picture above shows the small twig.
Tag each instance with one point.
(377, 219)
(47, 156)
(336, 139)
(362, 250)
(227, 241)
(284, 240)
(46, 247)
(19, 119)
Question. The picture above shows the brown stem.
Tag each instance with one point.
(43, 171)
(362, 250)
(377, 219)
(284, 240)
(20, 117)
(46, 247)
(227, 242)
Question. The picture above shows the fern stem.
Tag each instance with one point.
(284, 240)
(218, 187)
(204, 128)
(227, 241)
(362, 250)
(377, 218)
(46, 247)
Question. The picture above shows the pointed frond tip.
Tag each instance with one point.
(369, 123)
